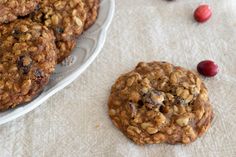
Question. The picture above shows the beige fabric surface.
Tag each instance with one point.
(74, 122)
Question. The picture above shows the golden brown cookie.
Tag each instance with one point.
(27, 59)
(158, 102)
(66, 19)
(92, 7)
(11, 9)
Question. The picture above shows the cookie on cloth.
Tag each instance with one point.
(65, 18)
(27, 59)
(11, 9)
(92, 7)
(158, 102)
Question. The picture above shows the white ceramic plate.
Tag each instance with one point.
(88, 47)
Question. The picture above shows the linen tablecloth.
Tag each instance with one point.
(75, 123)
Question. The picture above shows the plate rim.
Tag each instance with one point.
(70, 78)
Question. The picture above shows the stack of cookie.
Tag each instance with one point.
(35, 35)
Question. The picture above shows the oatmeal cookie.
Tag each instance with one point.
(11, 9)
(158, 102)
(27, 59)
(65, 18)
(92, 7)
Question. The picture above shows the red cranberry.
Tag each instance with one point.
(207, 68)
(202, 13)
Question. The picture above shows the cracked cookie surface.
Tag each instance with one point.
(27, 59)
(11, 9)
(66, 19)
(92, 8)
(158, 102)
